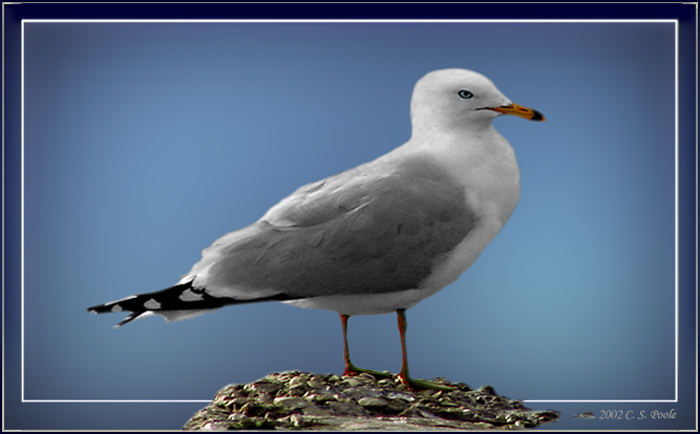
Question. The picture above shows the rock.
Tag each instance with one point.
(298, 400)
(291, 403)
(373, 402)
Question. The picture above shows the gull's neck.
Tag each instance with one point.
(478, 158)
(461, 150)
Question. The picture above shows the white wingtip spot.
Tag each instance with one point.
(189, 295)
(116, 308)
(151, 304)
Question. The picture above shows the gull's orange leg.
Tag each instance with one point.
(403, 325)
(403, 375)
(409, 382)
(351, 369)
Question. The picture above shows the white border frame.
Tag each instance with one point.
(356, 21)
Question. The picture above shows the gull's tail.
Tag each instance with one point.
(182, 301)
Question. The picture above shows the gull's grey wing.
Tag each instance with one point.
(367, 230)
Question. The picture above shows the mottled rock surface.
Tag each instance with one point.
(298, 400)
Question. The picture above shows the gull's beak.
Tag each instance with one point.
(518, 110)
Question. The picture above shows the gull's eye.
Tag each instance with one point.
(465, 94)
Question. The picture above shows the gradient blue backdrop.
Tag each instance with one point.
(146, 142)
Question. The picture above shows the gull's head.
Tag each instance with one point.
(460, 98)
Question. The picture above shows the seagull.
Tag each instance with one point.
(377, 238)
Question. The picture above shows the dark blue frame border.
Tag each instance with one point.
(349, 10)
(51, 416)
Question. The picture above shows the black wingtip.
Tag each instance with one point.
(182, 297)
(132, 316)
(101, 308)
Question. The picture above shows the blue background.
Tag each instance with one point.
(145, 142)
